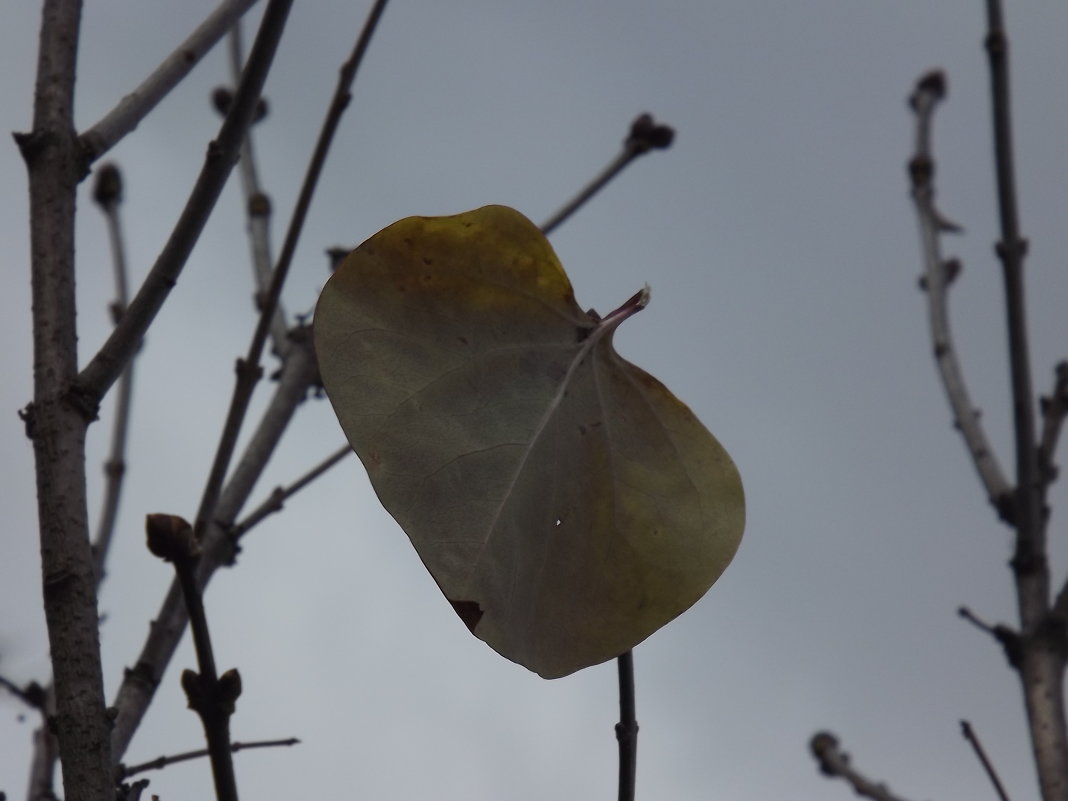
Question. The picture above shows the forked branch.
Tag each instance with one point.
(105, 367)
(135, 106)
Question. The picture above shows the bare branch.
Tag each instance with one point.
(1030, 556)
(210, 695)
(135, 106)
(1007, 637)
(43, 764)
(33, 694)
(835, 762)
(57, 419)
(973, 740)
(280, 495)
(627, 728)
(938, 274)
(105, 366)
(645, 135)
(258, 207)
(248, 369)
(1054, 409)
(139, 683)
(107, 193)
(159, 763)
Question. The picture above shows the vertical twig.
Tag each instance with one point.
(210, 695)
(1043, 650)
(938, 274)
(139, 683)
(57, 419)
(627, 728)
(107, 192)
(257, 203)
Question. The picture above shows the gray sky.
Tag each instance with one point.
(782, 250)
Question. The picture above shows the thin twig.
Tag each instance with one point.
(125, 339)
(627, 728)
(139, 683)
(135, 106)
(938, 274)
(835, 762)
(280, 495)
(107, 192)
(258, 208)
(210, 695)
(980, 752)
(1008, 637)
(645, 135)
(248, 369)
(33, 694)
(1054, 410)
(161, 762)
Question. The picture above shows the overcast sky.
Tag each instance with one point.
(782, 251)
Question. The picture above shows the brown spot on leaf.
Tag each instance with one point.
(469, 611)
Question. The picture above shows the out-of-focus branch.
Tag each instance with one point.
(159, 763)
(1043, 649)
(299, 373)
(248, 369)
(627, 728)
(211, 696)
(257, 202)
(105, 367)
(645, 135)
(973, 740)
(938, 274)
(834, 762)
(1054, 410)
(1030, 555)
(135, 106)
(107, 193)
(280, 495)
(33, 694)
